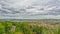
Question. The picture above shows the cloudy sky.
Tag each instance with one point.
(29, 9)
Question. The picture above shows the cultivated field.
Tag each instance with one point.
(29, 27)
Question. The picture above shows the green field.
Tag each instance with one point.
(21, 27)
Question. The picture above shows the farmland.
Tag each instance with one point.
(29, 27)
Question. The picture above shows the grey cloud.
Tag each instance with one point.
(32, 9)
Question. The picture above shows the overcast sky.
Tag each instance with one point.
(29, 9)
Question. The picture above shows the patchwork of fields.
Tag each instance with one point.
(29, 27)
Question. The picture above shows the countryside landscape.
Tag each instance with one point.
(29, 16)
(29, 27)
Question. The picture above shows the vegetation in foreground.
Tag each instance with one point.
(8, 27)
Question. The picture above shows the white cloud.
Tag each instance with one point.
(31, 9)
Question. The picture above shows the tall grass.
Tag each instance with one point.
(6, 27)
